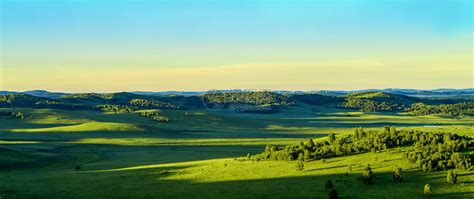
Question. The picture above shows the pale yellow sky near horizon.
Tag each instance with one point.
(418, 73)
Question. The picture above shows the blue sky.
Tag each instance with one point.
(61, 36)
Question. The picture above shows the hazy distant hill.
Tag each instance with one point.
(370, 101)
(409, 92)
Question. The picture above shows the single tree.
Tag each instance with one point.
(332, 194)
(452, 177)
(300, 166)
(427, 189)
(397, 175)
(328, 185)
(367, 175)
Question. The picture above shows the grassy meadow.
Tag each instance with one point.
(198, 154)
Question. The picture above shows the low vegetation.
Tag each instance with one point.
(13, 115)
(114, 108)
(154, 115)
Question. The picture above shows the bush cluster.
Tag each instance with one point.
(114, 108)
(155, 115)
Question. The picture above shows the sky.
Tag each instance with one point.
(157, 45)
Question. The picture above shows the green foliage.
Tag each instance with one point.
(440, 151)
(377, 101)
(300, 166)
(155, 115)
(459, 109)
(431, 151)
(452, 177)
(252, 98)
(367, 105)
(114, 108)
(19, 100)
(24, 100)
(152, 104)
(331, 137)
(427, 189)
(13, 115)
(398, 175)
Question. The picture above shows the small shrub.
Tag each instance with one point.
(300, 166)
(328, 185)
(452, 177)
(398, 175)
(427, 189)
(332, 194)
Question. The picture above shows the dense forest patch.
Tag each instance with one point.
(429, 150)
(459, 109)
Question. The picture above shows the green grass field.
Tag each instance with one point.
(193, 155)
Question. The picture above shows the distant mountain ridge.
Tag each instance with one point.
(407, 92)
(272, 101)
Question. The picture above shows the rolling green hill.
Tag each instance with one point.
(379, 101)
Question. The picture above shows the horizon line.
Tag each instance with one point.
(236, 89)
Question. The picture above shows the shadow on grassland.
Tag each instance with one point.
(165, 182)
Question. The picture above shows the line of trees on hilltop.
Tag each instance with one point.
(367, 105)
(24, 100)
(253, 98)
(433, 151)
(152, 104)
(459, 109)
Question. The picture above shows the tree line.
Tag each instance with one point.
(432, 151)
(144, 103)
(253, 98)
(459, 109)
(367, 105)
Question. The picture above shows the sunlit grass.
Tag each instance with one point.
(85, 127)
(187, 142)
